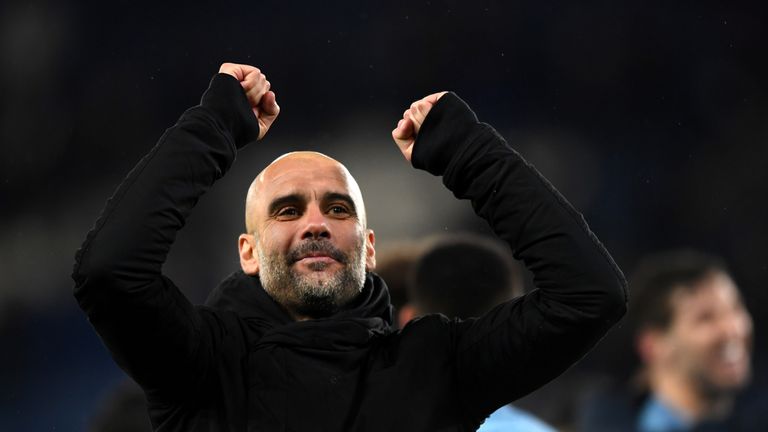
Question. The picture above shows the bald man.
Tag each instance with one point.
(300, 338)
(314, 196)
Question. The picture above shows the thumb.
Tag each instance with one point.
(404, 137)
(269, 104)
(404, 130)
(266, 112)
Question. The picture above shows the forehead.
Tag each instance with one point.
(715, 292)
(307, 175)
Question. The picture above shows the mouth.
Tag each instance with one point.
(732, 354)
(318, 254)
(316, 259)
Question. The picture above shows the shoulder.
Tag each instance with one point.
(437, 323)
(230, 328)
(429, 332)
(610, 407)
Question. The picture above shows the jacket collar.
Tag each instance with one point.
(368, 315)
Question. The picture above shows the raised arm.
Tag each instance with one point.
(522, 344)
(151, 329)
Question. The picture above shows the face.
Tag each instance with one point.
(710, 336)
(308, 240)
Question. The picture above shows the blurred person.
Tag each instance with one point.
(301, 338)
(463, 276)
(693, 335)
(395, 265)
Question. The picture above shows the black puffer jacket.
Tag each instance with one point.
(239, 363)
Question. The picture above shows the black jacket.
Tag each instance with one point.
(240, 363)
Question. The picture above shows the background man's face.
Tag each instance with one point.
(310, 236)
(709, 339)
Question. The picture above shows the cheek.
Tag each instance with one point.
(349, 236)
(690, 344)
(276, 238)
(701, 336)
(746, 325)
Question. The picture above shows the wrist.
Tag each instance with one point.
(226, 100)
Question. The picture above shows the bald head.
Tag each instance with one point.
(300, 172)
(307, 238)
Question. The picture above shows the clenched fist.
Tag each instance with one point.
(257, 90)
(408, 127)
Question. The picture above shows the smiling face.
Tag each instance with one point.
(709, 339)
(307, 238)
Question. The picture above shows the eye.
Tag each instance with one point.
(338, 210)
(287, 213)
(705, 316)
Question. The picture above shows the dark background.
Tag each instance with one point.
(650, 116)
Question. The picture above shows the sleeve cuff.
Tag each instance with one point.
(444, 131)
(226, 100)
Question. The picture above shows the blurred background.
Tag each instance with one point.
(649, 116)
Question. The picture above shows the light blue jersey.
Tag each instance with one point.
(511, 419)
(659, 417)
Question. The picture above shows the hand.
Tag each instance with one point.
(256, 87)
(408, 127)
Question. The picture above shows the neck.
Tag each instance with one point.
(683, 395)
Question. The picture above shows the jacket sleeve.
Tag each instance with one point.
(524, 343)
(151, 329)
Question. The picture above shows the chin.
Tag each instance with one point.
(320, 278)
(732, 380)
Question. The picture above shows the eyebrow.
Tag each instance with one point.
(337, 196)
(296, 198)
(281, 201)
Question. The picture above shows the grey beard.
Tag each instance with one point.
(307, 295)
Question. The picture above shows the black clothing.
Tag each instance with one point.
(240, 362)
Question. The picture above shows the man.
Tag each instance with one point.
(301, 338)
(460, 276)
(464, 276)
(694, 338)
(394, 264)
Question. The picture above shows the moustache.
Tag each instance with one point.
(310, 247)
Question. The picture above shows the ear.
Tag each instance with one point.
(249, 259)
(650, 346)
(370, 251)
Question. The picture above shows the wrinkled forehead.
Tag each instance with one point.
(304, 173)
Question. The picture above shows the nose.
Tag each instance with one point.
(316, 224)
(737, 324)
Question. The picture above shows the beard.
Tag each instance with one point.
(316, 294)
(714, 384)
